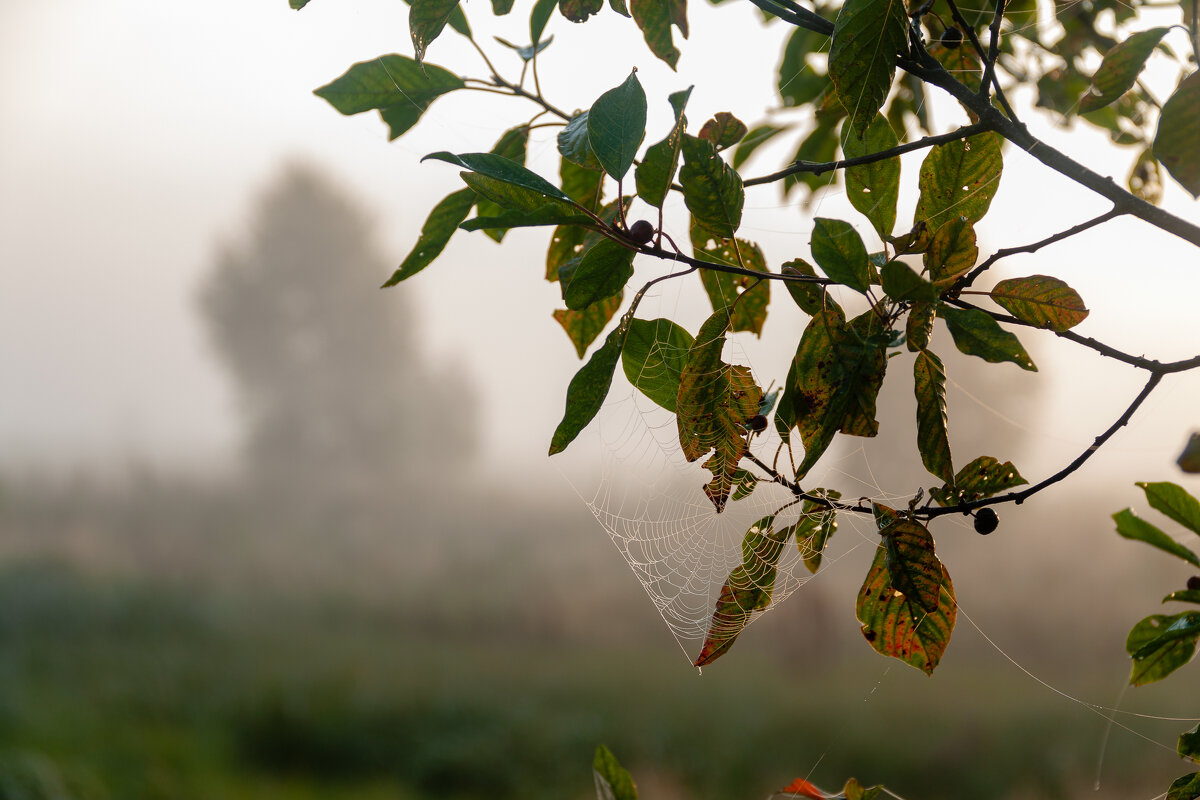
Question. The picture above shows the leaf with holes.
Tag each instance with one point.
(655, 18)
(426, 19)
(896, 626)
(815, 528)
(1120, 69)
(1042, 301)
(868, 36)
(977, 334)
(440, 225)
(839, 252)
(712, 189)
(655, 353)
(723, 130)
(583, 326)
(613, 782)
(873, 189)
(398, 87)
(715, 402)
(913, 567)
(746, 297)
(959, 179)
(744, 484)
(1174, 501)
(1131, 526)
(657, 170)
(616, 125)
(982, 478)
(1161, 644)
(747, 589)
(933, 434)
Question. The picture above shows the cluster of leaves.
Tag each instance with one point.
(1162, 643)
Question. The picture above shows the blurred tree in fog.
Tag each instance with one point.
(338, 404)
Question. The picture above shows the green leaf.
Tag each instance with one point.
(655, 354)
(1183, 596)
(574, 144)
(959, 179)
(753, 140)
(297, 4)
(585, 325)
(440, 225)
(1174, 501)
(801, 81)
(896, 626)
(815, 528)
(714, 403)
(1189, 459)
(426, 20)
(613, 782)
(512, 145)
(616, 124)
(933, 435)
(605, 269)
(538, 18)
(1131, 526)
(1186, 787)
(589, 387)
(868, 35)
(1120, 69)
(1177, 142)
(579, 10)
(873, 189)
(819, 146)
(548, 214)
(1189, 744)
(502, 197)
(400, 88)
(982, 478)
(501, 169)
(748, 589)
(723, 130)
(839, 251)
(744, 483)
(584, 186)
(977, 334)
(913, 567)
(853, 790)
(619, 7)
(747, 297)
(1161, 644)
(657, 170)
(526, 53)
(655, 18)
(502, 7)
(810, 296)
(1042, 301)
(952, 249)
(712, 190)
(902, 284)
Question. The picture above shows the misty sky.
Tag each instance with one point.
(138, 134)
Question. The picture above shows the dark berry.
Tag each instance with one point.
(640, 232)
(986, 521)
(1194, 583)
(757, 423)
(951, 38)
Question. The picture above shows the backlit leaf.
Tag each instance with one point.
(873, 189)
(1131, 526)
(1177, 143)
(913, 567)
(959, 179)
(753, 140)
(655, 18)
(1186, 787)
(853, 790)
(1183, 596)
(933, 435)
(589, 387)
(810, 296)
(744, 483)
(918, 328)
(443, 220)
(1188, 745)
(747, 297)
(1042, 301)
(657, 170)
(579, 10)
(613, 782)
(982, 478)
(839, 251)
(1161, 644)
(800, 81)
(895, 625)
(1120, 69)
(426, 20)
(748, 589)
(977, 334)
(819, 146)
(712, 190)
(815, 528)
(605, 269)
(655, 353)
(400, 88)
(616, 125)
(1174, 501)
(868, 35)
(803, 788)
(297, 4)
(724, 130)
(585, 325)
(900, 283)
(714, 403)
(951, 249)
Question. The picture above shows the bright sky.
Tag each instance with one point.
(137, 133)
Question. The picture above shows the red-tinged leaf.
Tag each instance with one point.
(913, 567)
(1120, 69)
(655, 18)
(715, 402)
(898, 627)
(1177, 143)
(802, 788)
(959, 179)
(983, 477)
(747, 297)
(933, 434)
(723, 130)
(951, 250)
(584, 325)
(748, 588)
(1042, 301)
